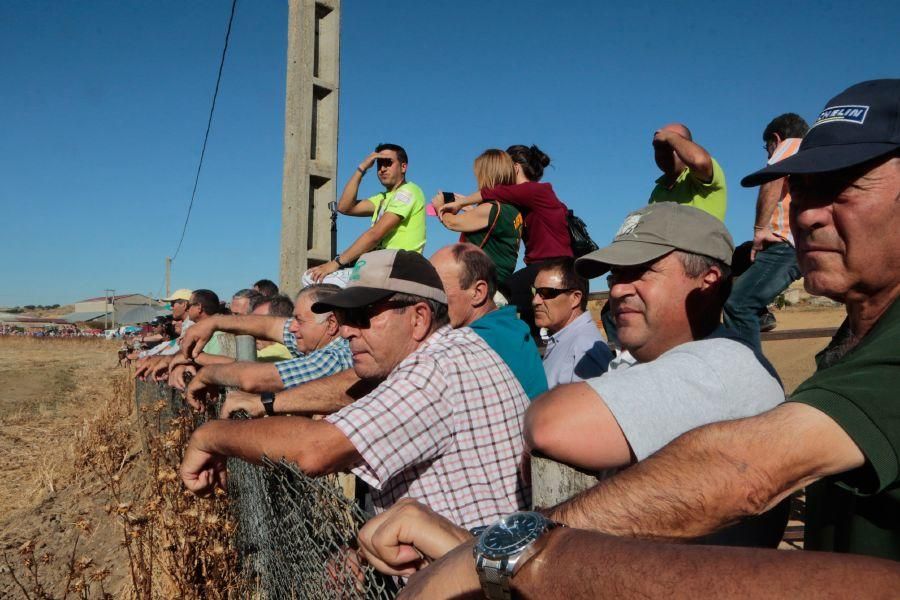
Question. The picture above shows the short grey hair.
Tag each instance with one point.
(439, 314)
(697, 265)
(319, 292)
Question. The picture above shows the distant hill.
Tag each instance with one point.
(39, 310)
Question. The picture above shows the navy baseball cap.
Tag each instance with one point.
(860, 124)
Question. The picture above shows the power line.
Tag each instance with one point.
(208, 127)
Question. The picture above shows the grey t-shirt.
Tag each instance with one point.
(691, 385)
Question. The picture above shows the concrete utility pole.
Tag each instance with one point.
(168, 277)
(310, 138)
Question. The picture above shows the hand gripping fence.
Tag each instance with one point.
(296, 535)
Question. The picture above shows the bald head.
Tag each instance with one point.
(680, 129)
(469, 279)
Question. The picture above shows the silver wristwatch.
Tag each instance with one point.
(504, 547)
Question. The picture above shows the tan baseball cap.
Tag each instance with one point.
(654, 231)
(182, 294)
(377, 275)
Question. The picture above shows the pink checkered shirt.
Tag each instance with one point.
(444, 428)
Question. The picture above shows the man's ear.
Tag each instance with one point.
(577, 295)
(778, 139)
(479, 291)
(713, 277)
(422, 320)
(403, 167)
(331, 325)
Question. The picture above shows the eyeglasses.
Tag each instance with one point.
(361, 317)
(549, 293)
(384, 162)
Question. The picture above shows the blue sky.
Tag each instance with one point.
(104, 105)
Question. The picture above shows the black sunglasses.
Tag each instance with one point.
(361, 317)
(549, 293)
(384, 162)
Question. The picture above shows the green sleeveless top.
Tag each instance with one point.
(502, 243)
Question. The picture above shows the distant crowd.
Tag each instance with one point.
(435, 379)
(50, 332)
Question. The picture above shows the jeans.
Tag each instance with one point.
(774, 269)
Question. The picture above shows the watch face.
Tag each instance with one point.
(512, 533)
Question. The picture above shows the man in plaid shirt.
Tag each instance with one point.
(444, 426)
(312, 339)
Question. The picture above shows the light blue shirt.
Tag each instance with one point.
(576, 352)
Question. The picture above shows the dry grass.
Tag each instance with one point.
(94, 507)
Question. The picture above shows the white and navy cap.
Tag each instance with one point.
(860, 124)
(377, 275)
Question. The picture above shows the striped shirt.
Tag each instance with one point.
(781, 222)
(445, 428)
(333, 358)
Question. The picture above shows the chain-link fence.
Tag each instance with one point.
(296, 535)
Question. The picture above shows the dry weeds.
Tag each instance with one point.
(172, 544)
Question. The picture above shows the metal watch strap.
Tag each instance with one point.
(494, 578)
(268, 402)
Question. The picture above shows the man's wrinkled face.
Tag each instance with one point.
(390, 170)
(845, 226)
(240, 306)
(179, 307)
(309, 329)
(649, 304)
(553, 304)
(379, 335)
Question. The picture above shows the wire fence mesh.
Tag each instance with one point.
(296, 535)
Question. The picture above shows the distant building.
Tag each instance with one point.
(125, 309)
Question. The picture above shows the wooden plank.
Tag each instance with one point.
(798, 334)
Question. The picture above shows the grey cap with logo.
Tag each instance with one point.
(380, 274)
(654, 231)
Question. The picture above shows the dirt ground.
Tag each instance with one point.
(50, 390)
(794, 359)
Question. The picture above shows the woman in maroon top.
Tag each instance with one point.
(546, 234)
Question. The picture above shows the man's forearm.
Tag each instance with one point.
(693, 155)
(696, 485)
(348, 195)
(317, 447)
(766, 201)
(259, 326)
(255, 378)
(323, 396)
(581, 564)
(206, 360)
(364, 243)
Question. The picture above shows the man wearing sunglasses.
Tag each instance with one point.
(397, 213)
(575, 350)
(444, 426)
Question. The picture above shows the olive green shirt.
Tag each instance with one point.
(859, 511)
